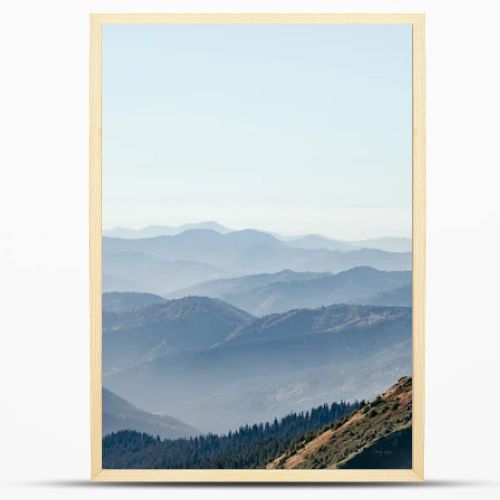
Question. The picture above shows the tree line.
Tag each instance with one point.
(251, 446)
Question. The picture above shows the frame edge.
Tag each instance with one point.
(95, 261)
(257, 17)
(98, 474)
(249, 476)
(419, 244)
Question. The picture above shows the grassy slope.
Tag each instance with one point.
(376, 436)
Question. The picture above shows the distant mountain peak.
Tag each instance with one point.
(154, 230)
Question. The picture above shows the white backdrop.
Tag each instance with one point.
(44, 248)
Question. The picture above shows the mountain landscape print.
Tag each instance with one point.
(257, 247)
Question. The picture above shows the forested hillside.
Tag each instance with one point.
(377, 436)
(249, 447)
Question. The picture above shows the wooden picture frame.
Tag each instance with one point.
(418, 224)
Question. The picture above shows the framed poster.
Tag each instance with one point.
(257, 247)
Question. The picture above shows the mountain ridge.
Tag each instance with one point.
(232, 254)
(134, 271)
(187, 323)
(153, 230)
(115, 302)
(306, 241)
(118, 414)
(270, 364)
(268, 293)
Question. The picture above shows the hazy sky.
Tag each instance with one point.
(288, 128)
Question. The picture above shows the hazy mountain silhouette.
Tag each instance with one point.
(253, 369)
(318, 242)
(401, 296)
(329, 326)
(128, 301)
(118, 414)
(141, 272)
(388, 244)
(248, 252)
(114, 283)
(308, 241)
(190, 323)
(158, 230)
(278, 292)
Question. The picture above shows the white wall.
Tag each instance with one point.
(44, 363)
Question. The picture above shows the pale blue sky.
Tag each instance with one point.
(288, 128)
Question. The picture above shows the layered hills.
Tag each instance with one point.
(153, 230)
(165, 263)
(267, 293)
(221, 328)
(144, 272)
(118, 302)
(220, 366)
(308, 241)
(131, 334)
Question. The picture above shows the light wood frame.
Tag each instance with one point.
(311, 476)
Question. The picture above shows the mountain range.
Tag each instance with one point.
(132, 334)
(222, 328)
(143, 272)
(152, 231)
(266, 293)
(216, 366)
(317, 242)
(167, 263)
(117, 302)
(308, 241)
